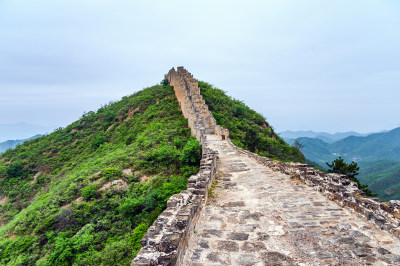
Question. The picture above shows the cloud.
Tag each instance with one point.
(300, 63)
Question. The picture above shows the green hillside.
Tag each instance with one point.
(86, 194)
(316, 150)
(248, 129)
(372, 147)
(87, 206)
(382, 177)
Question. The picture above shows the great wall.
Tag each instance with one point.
(264, 212)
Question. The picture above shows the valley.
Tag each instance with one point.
(377, 154)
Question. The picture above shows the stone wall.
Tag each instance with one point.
(166, 240)
(339, 188)
(193, 106)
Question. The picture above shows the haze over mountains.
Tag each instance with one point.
(377, 154)
(11, 144)
(19, 131)
(327, 137)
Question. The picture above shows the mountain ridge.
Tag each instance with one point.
(11, 144)
(23, 130)
(325, 136)
(373, 153)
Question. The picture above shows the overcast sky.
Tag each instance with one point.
(320, 65)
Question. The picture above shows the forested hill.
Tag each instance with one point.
(247, 128)
(86, 194)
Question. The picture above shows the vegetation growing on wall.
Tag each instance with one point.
(248, 129)
(70, 197)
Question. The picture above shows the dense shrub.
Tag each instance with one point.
(98, 141)
(164, 155)
(191, 153)
(15, 170)
(89, 192)
(111, 173)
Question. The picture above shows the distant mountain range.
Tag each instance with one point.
(378, 146)
(11, 144)
(377, 154)
(326, 137)
(22, 130)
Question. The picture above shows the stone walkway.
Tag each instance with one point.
(260, 217)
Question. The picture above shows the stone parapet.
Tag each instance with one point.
(193, 106)
(338, 188)
(167, 238)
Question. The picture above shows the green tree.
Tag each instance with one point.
(298, 144)
(89, 192)
(138, 234)
(191, 153)
(63, 253)
(111, 173)
(98, 141)
(240, 110)
(15, 170)
(164, 82)
(251, 139)
(339, 166)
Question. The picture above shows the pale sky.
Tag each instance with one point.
(305, 65)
